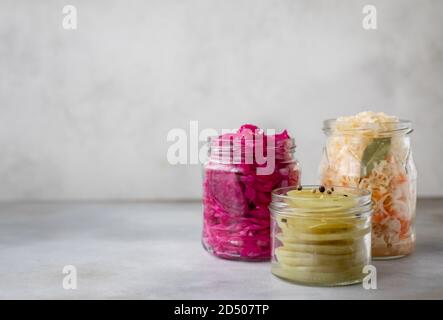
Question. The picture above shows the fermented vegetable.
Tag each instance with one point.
(236, 195)
(372, 151)
(321, 238)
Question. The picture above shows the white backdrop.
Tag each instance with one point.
(84, 114)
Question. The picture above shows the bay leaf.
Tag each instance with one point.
(374, 152)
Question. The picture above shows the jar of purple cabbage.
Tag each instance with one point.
(241, 171)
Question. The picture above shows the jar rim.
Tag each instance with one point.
(401, 126)
(230, 143)
(280, 199)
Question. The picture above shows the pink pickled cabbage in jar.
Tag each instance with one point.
(242, 170)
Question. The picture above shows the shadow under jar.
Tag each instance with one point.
(236, 193)
(321, 237)
(376, 157)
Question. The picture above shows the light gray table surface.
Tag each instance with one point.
(153, 251)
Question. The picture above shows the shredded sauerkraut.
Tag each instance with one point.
(368, 151)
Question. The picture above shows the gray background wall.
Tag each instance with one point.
(84, 114)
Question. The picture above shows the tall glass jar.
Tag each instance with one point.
(376, 155)
(237, 185)
(321, 236)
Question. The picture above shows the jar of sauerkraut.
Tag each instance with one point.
(321, 236)
(373, 151)
(241, 171)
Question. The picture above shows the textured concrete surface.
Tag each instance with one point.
(84, 114)
(147, 251)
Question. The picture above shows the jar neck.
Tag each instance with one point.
(254, 152)
(401, 128)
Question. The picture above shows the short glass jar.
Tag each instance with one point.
(321, 236)
(376, 156)
(237, 188)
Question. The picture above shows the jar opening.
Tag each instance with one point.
(401, 127)
(313, 199)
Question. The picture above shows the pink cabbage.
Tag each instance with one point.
(236, 198)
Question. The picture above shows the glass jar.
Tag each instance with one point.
(237, 191)
(321, 236)
(376, 157)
